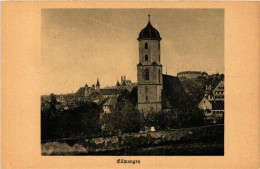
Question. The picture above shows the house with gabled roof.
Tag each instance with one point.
(205, 105)
(213, 110)
(80, 94)
(218, 91)
(110, 105)
(214, 90)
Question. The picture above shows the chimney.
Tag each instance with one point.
(124, 78)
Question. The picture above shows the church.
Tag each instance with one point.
(156, 92)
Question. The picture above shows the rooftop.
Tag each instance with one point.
(173, 94)
(110, 91)
(189, 72)
(149, 32)
(110, 102)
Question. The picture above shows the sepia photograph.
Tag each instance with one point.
(132, 82)
(147, 84)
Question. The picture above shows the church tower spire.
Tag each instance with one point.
(98, 85)
(149, 70)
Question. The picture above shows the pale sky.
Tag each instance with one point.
(79, 45)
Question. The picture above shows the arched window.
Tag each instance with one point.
(146, 73)
(146, 45)
(146, 98)
(159, 75)
(146, 57)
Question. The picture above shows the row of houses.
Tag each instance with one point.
(213, 101)
(105, 96)
(98, 95)
(173, 94)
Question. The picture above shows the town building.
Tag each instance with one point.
(110, 105)
(214, 90)
(219, 91)
(213, 101)
(60, 99)
(89, 90)
(96, 94)
(80, 94)
(110, 93)
(125, 82)
(213, 110)
(205, 105)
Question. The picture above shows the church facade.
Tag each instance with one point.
(149, 70)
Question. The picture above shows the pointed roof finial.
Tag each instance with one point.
(97, 82)
(166, 70)
(149, 32)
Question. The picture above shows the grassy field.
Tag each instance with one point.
(193, 148)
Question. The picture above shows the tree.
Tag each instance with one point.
(53, 103)
(191, 118)
(162, 120)
(90, 119)
(83, 121)
(49, 120)
(125, 118)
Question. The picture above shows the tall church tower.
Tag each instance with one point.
(149, 70)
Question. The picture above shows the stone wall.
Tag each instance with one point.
(131, 140)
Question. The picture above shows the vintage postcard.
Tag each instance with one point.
(141, 84)
(152, 90)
